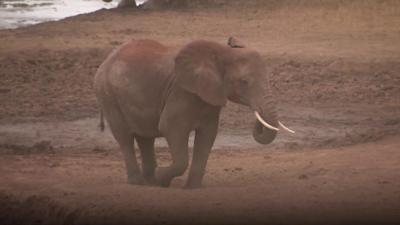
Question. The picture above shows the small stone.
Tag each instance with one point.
(54, 164)
(303, 177)
(99, 150)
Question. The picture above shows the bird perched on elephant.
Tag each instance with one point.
(147, 90)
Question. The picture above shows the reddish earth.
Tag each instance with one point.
(335, 71)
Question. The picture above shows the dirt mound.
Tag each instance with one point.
(34, 210)
(350, 185)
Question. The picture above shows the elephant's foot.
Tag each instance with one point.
(164, 183)
(163, 177)
(192, 186)
(151, 180)
(136, 180)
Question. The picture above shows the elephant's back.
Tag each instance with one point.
(143, 62)
(143, 52)
(133, 78)
(138, 55)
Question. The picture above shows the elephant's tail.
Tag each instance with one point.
(101, 125)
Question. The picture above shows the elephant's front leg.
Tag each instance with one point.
(178, 143)
(203, 142)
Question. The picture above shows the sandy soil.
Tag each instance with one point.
(334, 69)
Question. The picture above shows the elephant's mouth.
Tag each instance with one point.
(267, 125)
(264, 132)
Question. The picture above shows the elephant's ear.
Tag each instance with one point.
(197, 71)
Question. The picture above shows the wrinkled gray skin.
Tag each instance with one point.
(147, 90)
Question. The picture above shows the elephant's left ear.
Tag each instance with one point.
(197, 72)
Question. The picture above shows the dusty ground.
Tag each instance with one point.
(334, 68)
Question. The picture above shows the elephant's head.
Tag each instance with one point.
(217, 73)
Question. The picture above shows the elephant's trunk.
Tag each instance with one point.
(263, 134)
(266, 126)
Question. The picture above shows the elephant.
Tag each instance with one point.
(147, 90)
(124, 3)
(136, 4)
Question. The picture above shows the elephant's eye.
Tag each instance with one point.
(243, 82)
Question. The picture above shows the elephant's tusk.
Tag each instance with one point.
(264, 123)
(285, 128)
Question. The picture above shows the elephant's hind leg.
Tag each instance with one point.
(125, 139)
(149, 163)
